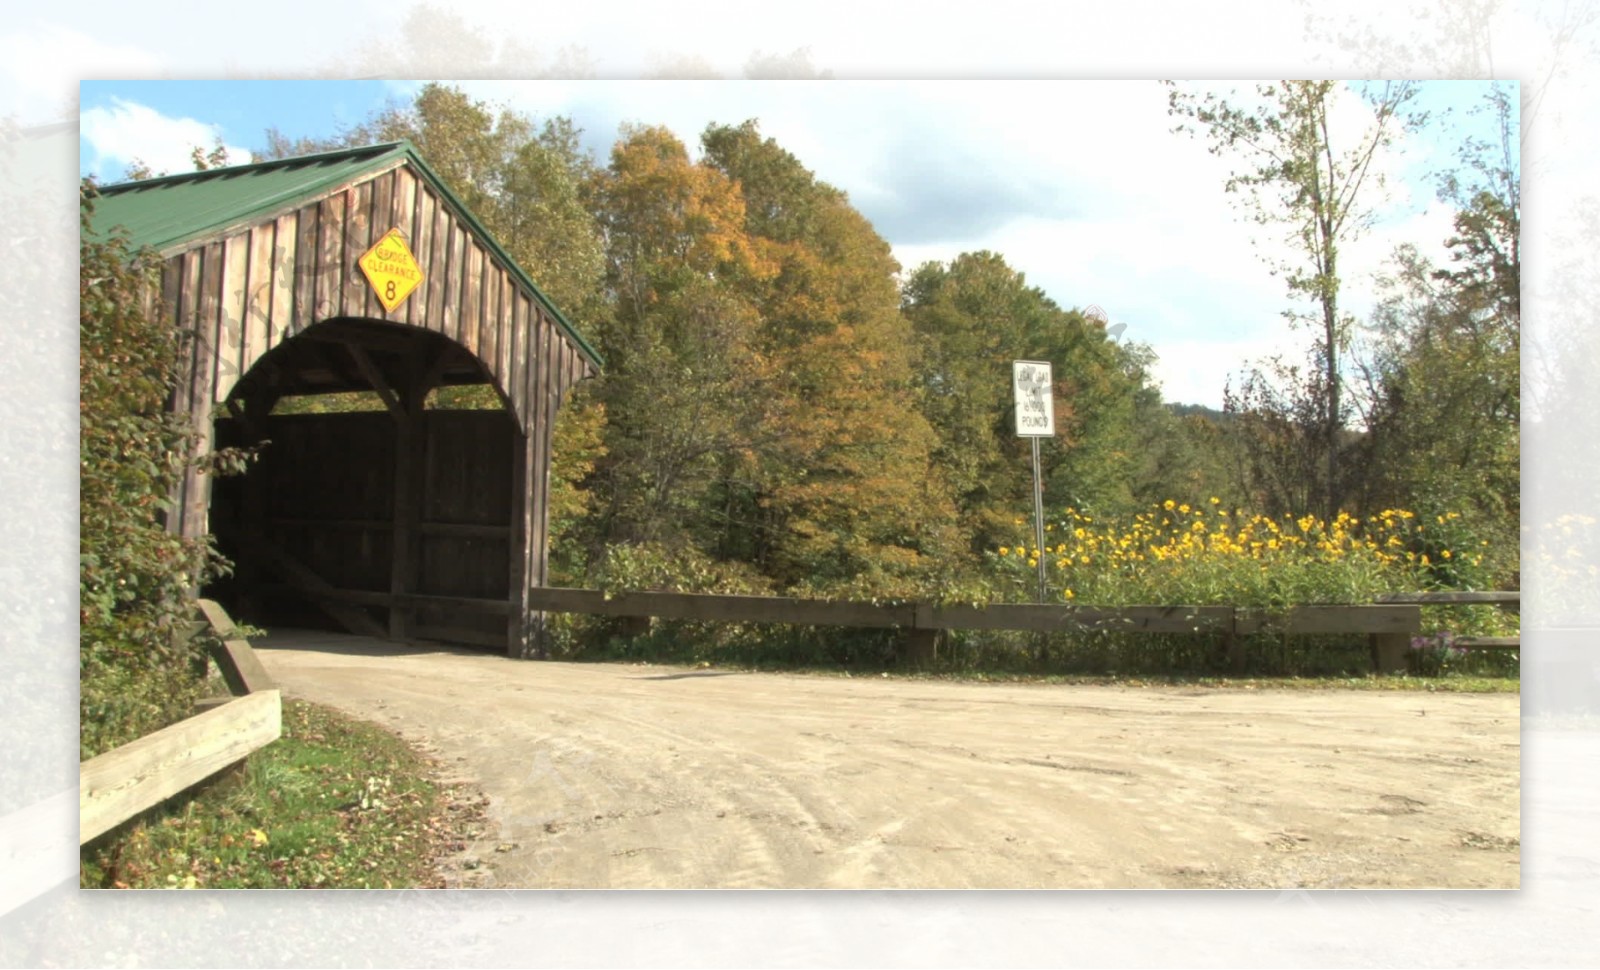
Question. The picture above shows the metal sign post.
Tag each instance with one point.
(1036, 418)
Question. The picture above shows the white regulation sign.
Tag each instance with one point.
(1036, 408)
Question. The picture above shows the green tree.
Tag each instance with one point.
(971, 319)
(1445, 428)
(1295, 171)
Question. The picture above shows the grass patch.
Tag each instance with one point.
(334, 803)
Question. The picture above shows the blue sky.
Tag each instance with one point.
(1079, 184)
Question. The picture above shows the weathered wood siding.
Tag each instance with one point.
(242, 295)
(326, 495)
(325, 489)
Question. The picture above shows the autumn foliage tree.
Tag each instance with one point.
(845, 493)
(678, 342)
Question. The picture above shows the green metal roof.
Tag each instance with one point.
(171, 213)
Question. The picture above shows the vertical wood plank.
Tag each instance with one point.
(523, 633)
(181, 290)
(253, 516)
(505, 325)
(514, 376)
(409, 456)
(173, 279)
(360, 203)
(233, 318)
(330, 257)
(408, 217)
(208, 321)
(455, 270)
(531, 637)
(306, 268)
(472, 297)
(438, 263)
(259, 294)
(1389, 652)
(540, 492)
(283, 279)
(489, 332)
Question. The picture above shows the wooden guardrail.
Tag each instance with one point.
(1509, 600)
(119, 784)
(1390, 626)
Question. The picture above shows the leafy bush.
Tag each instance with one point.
(1205, 554)
(135, 578)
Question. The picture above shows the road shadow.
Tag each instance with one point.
(348, 644)
(691, 673)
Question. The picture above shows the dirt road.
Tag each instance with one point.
(636, 776)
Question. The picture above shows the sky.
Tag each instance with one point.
(1081, 185)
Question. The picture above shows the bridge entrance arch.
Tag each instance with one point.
(405, 521)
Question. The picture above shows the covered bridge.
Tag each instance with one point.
(358, 270)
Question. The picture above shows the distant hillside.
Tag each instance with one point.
(1210, 414)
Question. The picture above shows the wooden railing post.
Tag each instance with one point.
(1389, 652)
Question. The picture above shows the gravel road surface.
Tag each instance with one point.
(641, 776)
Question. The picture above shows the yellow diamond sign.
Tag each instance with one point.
(391, 269)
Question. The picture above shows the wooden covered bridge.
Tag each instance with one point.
(358, 270)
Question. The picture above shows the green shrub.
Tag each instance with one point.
(135, 578)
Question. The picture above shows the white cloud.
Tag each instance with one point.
(126, 131)
(40, 66)
(1080, 185)
(939, 38)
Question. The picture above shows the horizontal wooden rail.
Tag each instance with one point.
(1331, 619)
(115, 786)
(1053, 619)
(1000, 616)
(1488, 643)
(720, 607)
(1506, 598)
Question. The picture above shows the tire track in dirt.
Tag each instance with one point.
(643, 776)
